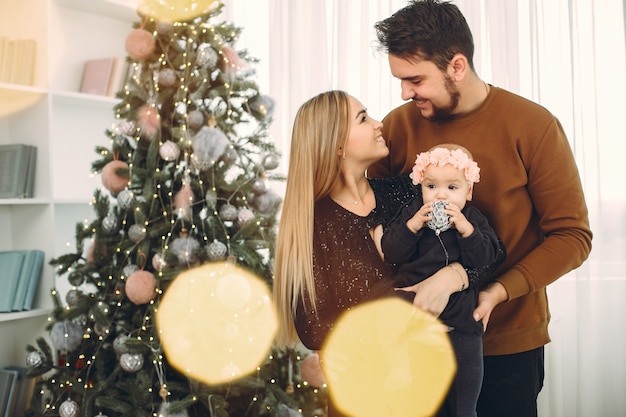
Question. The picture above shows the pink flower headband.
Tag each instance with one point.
(441, 157)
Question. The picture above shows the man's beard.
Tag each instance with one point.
(442, 114)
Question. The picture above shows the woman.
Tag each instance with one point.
(327, 254)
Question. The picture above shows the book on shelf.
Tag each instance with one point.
(22, 393)
(17, 170)
(20, 273)
(17, 60)
(103, 76)
(8, 381)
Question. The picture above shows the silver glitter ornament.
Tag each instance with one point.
(130, 269)
(73, 296)
(228, 212)
(208, 146)
(75, 278)
(131, 362)
(195, 119)
(128, 127)
(136, 233)
(244, 216)
(126, 199)
(100, 329)
(66, 336)
(68, 408)
(164, 411)
(216, 250)
(440, 221)
(259, 186)
(80, 320)
(207, 57)
(34, 359)
(119, 344)
(230, 156)
(184, 248)
(167, 77)
(211, 198)
(164, 27)
(109, 224)
(271, 161)
(266, 203)
(261, 106)
(169, 151)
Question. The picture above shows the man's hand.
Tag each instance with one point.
(488, 299)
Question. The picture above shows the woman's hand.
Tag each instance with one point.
(432, 294)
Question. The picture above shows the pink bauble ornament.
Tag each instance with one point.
(232, 62)
(182, 202)
(311, 371)
(140, 287)
(115, 176)
(149, 120)
(140, 44)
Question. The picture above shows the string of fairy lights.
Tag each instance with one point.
(175, 214)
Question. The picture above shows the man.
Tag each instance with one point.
(530, 188)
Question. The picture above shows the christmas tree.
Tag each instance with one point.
(186, 182)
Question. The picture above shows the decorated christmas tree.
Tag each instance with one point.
(186, 182)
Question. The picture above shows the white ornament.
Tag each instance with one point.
(131, 362)
(130, 269)
(109, 224)
(195, 119)
(228, 212)
(271, 161)
(164, 411)
(244, 216)
(208, 146)
(158, 262)
(136, 233)
(216, 250)
(126, 199)
(119, 344)
(169, 151)
(34, 359)
(207, 57)
(211, 198)
(68, 408)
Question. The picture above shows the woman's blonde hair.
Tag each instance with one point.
(320, 131)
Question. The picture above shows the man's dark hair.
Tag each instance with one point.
(429, 30)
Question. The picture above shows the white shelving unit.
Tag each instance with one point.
(66, 126)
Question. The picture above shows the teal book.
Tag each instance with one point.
(10, 268)
(14, 160)
(16, 406)
(28, 280)
(29, 186)
(8, 379)
(33, 278)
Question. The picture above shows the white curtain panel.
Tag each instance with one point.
(569, 56)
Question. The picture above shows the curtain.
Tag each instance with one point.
(567, 55)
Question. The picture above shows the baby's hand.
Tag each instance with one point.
(420, 218)
(459, 221)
